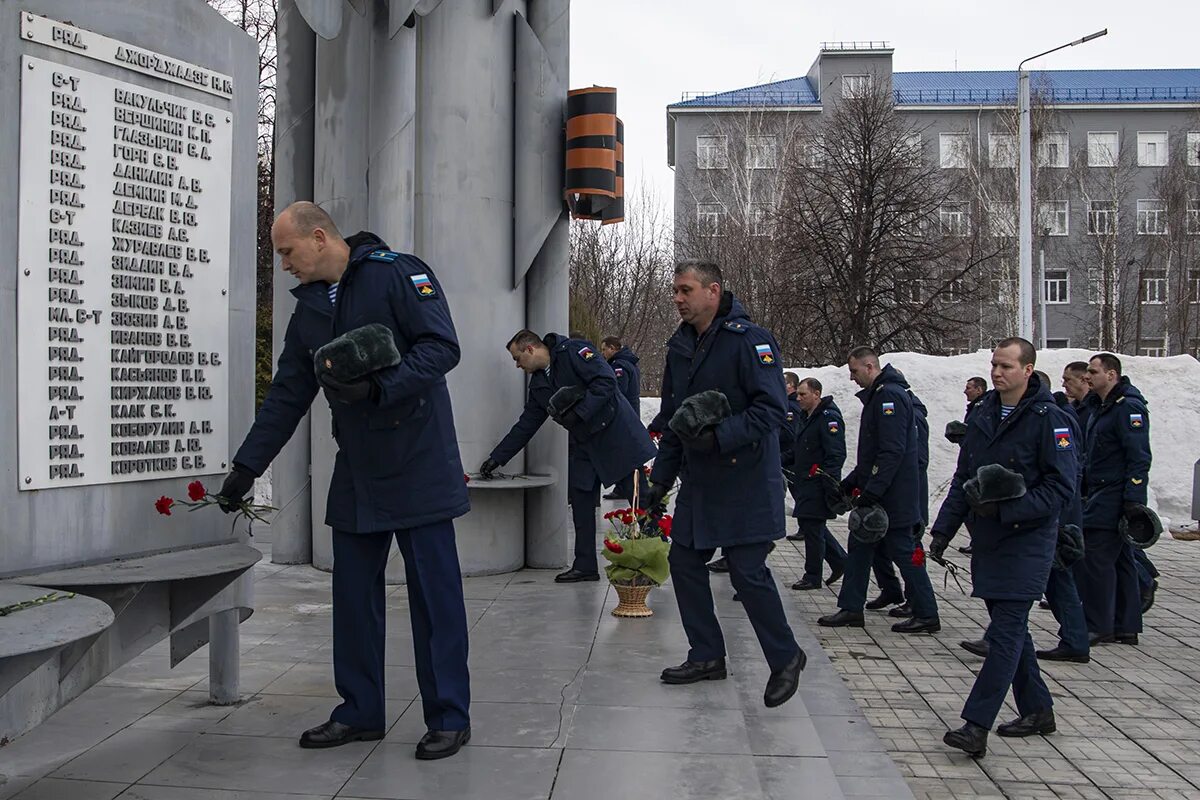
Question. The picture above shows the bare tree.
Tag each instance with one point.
(1176, 253)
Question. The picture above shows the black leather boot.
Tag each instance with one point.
(695, 671)
(970, 738)
(1035, 724)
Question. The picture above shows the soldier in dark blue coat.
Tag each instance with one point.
(397, 472)
(1116, 472)
(887, 475)
(820, 443)
(606, 439)
(1019, 432)
(731, 491)
(624, 364)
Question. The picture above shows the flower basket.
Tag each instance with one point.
(636, 550)
(632, 600)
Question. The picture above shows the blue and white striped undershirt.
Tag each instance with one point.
(332, 293)
(1006, 410)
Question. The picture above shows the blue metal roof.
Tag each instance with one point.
(954, 88)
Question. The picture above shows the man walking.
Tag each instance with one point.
(820, 453)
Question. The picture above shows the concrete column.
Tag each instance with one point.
(224, 658)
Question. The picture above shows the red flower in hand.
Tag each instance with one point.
(655, 436)
(857, 491)
(664, 525)
(196, 491)
(163, 505)
(813, 470)
(918, 558)
(466, 478)
(614, 546)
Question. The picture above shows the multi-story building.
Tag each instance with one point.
(1117, 177)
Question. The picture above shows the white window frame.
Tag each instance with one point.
(1002, 218)
(1056, 291)
(1152, 350)
(954, 149)
(954, 219)
(1094, 216)
(1099, 153)
(958, 347)
(1153, 291)
(1002, 150)
(761, 152)
(808, 149)
(1056, 144)
(759, 223)
(1193, 217)
(910, 290)
(914, 149)
(1151, 221)
(1144, 140)
(712, 151)
(1055, 216)
(1057, 344)
(1193, 148)
(1006, 292)
(855, 87)
(708, 219)
(1193, 286)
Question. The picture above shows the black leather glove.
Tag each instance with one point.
(238, 483)
(488, 466)
(347, 393)
(1130, 508)
(847, 487)
(938, 545)
(653, 499)
(706, 442)
(569, 419)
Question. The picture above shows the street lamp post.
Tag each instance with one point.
(1025, 186)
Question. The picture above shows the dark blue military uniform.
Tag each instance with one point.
(731, 498)
(881, 564)
(608, 443)
(1116, 471)
(397, 473)
(1013, 550)
(1062, 594)
(888, 468)
(629, 384)
(820, 441)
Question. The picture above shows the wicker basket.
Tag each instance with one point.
(632, 600)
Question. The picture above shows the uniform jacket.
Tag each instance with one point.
(1084, 410)
(1117, 461)
(971, 406)
(1012, 551)
(397, 464)
(787, 438)
(921, 418)
(888, 449)
(629, 377)
(608, 443)
(734, 495)
(820, 440)
(1073, 512)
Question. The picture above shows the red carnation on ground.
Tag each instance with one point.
(813, 470)
(664, 525)
(196, 491)
(918, 558)
(614, 546)
(163, 505)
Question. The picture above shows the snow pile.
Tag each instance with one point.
(938, 381)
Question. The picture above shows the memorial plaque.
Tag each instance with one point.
(123, 275)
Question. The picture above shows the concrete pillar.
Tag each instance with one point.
(224, 658)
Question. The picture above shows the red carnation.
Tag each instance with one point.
(813, 470)
(918, 559)
(655, 436)
(857, 491)
(664, 525)
(639, 512)
(196, 491)
(627, 517)
(466, 478)
(163, 505)
(614, 546)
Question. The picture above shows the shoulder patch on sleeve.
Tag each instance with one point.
(422, 285)
(889, 409)
(766, 356)
(1137, 422)
(1062, 439)
(833, 426)
(790, 416)
(619, 372)
(586, 353)
(387, 256)
(735, 326)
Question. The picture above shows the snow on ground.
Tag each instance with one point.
(1167, 383)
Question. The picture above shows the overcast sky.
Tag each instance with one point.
(653, 50)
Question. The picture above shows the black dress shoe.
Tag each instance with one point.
(918, 625)
(1148, 597)
(612, 496)
(843, 619)
(970, 738)
(1061, 653)
(720, 565)
(965, 549)
(695, 671)
(902, 611)
(1125, 638)
(576, 576)
(835, 575)
(737, 598)
(441, 744)
(883, 601)
(795, 537)
(333, 734)
(805, 584)
(978, 648)
(1101, 638)
(1044, 605)
(1038, 723)
(783, 684)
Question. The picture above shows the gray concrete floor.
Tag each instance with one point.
(566, 704)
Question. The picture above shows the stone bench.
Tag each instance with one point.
(31, 636)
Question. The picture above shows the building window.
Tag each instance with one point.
(760, 152)
(913, 149)
(1103, 148)
(1058, 344)
(1193, 285)
(1193, 217)
(760, 220)
(856, 86)
(1056, 289)
(957, 347)
(1053, 217)
(955, 219)
(1005, 292)
(1194, 347)
(708, 218)
(954, 290)
(1102, 217)
(712, 152)
(1154, 287)
(1053, 149)
(1153, 347)
(1102, 289)
(909, 291)
(1002, 150)
(1193, 149)
(808, 150)
(1152, 217)
(955, 148)
(1152, 148)
(1002, 218)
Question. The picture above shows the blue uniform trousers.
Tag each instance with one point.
(1010, 661)
(754, 584)
(819, 545)
(583, 504)
(439, 625)
(885, 575)
(1146, 571)
(1064, 602)
(897, 546)
(1108, 584)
